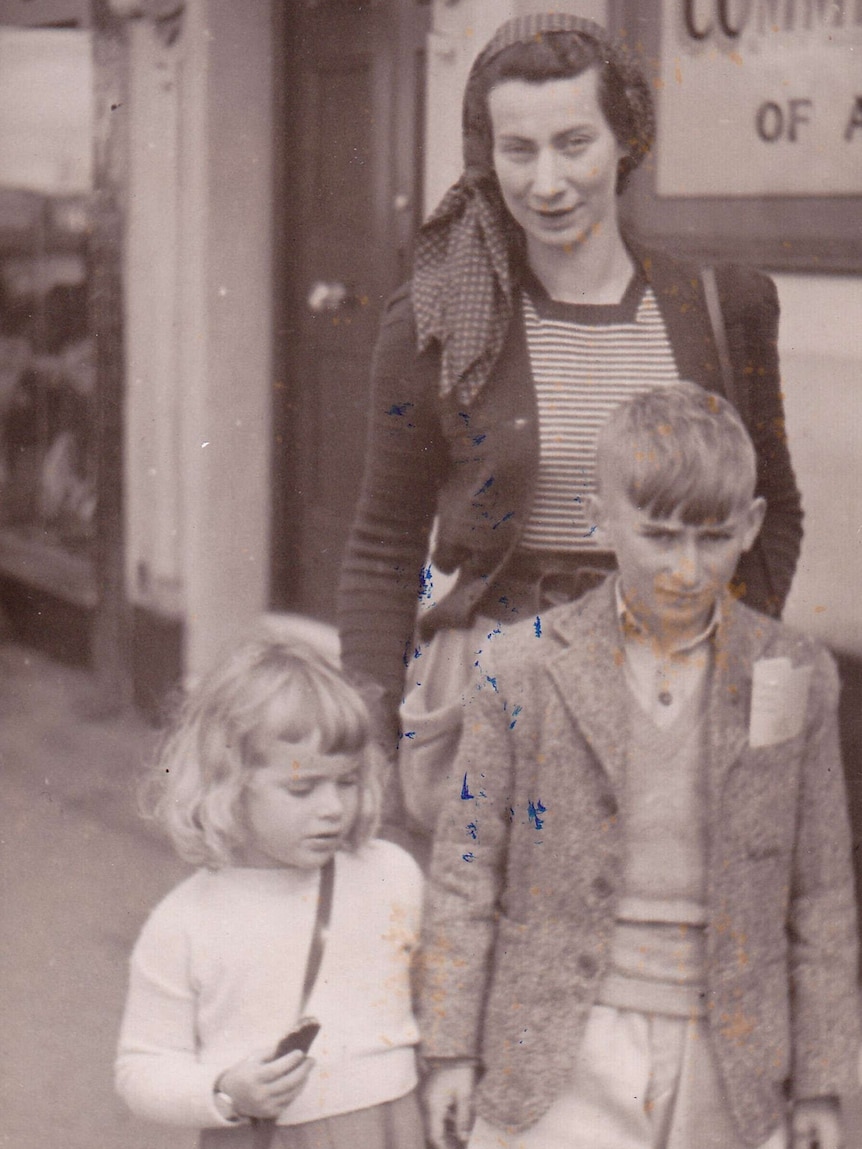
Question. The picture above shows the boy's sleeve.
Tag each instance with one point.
(822, 927)
(467, 870)
(157, 1071)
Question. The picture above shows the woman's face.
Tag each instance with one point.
(556, 158)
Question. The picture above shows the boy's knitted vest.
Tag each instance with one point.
(657, 956)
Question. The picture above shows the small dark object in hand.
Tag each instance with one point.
(301, 1037)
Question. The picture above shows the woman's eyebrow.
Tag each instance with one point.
(572, 130)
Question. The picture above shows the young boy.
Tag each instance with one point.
(640, 928)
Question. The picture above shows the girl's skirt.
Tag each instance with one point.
(392, 1125)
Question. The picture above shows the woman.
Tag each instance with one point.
(530, 314)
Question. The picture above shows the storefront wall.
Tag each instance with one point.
(199, 326)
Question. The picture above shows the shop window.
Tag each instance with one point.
(48, 477)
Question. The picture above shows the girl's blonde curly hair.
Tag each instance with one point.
(274, 686)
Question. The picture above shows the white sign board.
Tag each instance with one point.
(760, 98)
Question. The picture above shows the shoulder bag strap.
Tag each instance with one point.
(263, 1129)
(719, 332)
(321, 927)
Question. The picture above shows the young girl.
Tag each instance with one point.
(267, 776)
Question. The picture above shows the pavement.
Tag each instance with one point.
(79, 871)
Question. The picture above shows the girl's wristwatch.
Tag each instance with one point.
(225, 1105)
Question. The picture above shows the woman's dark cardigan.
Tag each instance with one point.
(476, 468)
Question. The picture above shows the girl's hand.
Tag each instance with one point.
(816, 1124)
(263, 1088)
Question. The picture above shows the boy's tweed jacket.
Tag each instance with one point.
(528, 857)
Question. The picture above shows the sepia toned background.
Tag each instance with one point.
(203, 205)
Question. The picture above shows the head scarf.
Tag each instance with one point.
(464, 289)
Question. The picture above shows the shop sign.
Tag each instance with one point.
(760, 98)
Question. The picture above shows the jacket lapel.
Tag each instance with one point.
(738, 645)
(588, 677)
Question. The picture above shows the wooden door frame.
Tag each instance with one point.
(403, 186)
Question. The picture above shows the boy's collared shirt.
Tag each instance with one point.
(664, 682)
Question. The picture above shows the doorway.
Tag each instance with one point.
(347, 206)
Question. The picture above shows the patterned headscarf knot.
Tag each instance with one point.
(463, 290)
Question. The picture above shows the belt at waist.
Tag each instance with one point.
(526, 563)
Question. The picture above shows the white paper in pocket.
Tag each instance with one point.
(779, 701)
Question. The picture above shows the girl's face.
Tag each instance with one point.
(300, 806)
(556, 158)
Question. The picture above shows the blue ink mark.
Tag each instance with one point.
(465, 791)
(409, 734)
(488, 483)
(468, 857)
(399, 408)
(491, 681)
(511, 814)
(537, 626)
(591, 532)
(505, 518)
(426, 583)
(496, 630)
(473, 830)
(477, 439)
(411, 653)
(534, 809)
(465, 416)
(578, 499)
(515, 714)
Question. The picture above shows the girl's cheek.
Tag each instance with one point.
(353, 805)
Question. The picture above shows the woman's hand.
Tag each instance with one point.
(448, 1090)
(260, 1087)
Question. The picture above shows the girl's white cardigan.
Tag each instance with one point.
(217, 972)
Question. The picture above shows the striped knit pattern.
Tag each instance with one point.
(581, 372)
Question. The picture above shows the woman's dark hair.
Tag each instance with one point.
(624, 95)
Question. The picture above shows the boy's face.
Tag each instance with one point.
(672, 573)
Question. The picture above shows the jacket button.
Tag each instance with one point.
(601, 887)
(587, 965)
(608, 805)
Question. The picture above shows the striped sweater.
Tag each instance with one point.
(586, 359)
